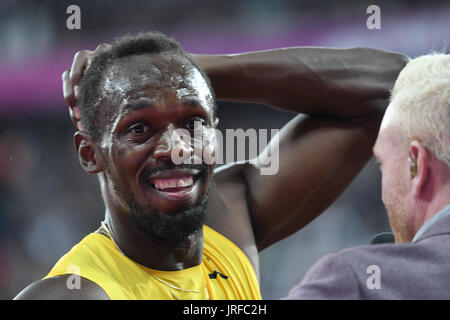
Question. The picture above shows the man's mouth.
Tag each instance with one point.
(175, 184)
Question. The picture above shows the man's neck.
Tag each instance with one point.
(427, 210)
(151, 252)
(434, 197)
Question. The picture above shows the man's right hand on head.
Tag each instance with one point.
(72, 77)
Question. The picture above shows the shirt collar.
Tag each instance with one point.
(442, 213)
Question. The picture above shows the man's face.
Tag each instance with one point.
(392, 154)
(147, 100)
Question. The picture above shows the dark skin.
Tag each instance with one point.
(340, 95)
(138, 140)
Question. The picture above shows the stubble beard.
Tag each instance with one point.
(168, 226)
(171, 226)
(398, 213)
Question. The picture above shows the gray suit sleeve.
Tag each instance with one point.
(329, 278)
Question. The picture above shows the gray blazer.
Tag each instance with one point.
(417, 270)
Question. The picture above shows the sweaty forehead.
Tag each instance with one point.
(138, 76)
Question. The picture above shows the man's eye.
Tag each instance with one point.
(138, 128)
(196, 123)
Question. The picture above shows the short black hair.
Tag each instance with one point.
(149, 42)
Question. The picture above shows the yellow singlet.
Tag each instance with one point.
(224, 274)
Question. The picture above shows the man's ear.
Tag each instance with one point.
(88, 154)
(419, 161)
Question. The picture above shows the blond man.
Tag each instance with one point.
(413, 149)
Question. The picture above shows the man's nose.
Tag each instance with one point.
(172, 143)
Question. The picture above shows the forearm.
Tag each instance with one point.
(312, 80)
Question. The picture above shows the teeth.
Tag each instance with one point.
(171, 184)
(190, 181)
(182, 182)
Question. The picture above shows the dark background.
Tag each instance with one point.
(47, 203)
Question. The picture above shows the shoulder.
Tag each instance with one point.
(361, 258)
(341, 275)
(64, 287)
(383, 271)
(228, 211)
(331, 277)
(344, 275)
(333, 268)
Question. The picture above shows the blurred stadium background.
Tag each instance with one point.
(47, 203)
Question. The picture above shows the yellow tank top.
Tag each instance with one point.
(224, 274)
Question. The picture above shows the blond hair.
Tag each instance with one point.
(421, 98)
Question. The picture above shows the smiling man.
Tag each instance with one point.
(188, 231)
(146, 99)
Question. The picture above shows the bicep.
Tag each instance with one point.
(317, 159)
(62, 288)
